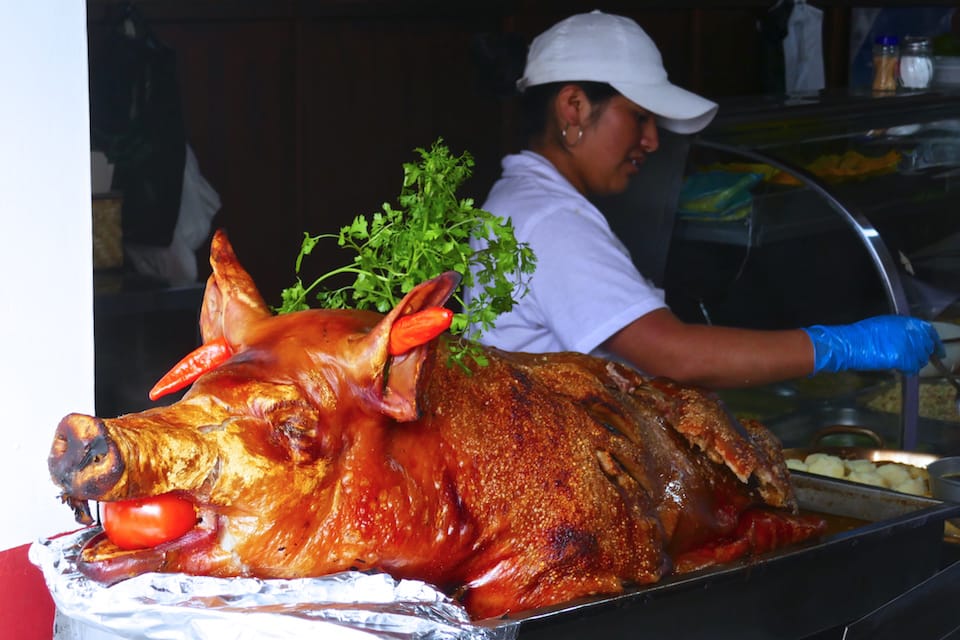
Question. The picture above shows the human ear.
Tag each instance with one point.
(572, 106)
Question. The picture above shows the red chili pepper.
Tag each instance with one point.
(206, 357)
(415, 329)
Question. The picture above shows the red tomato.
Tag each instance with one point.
(147, 522)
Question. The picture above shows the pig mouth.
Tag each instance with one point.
(103, 561)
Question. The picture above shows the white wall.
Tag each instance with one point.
(46, 321)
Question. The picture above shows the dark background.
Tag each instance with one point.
(302, 113)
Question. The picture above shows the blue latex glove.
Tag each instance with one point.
(881, 342)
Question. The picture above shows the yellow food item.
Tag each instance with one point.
(831, 167)
(825, 465)
(861, 466)
(936, 401)
(900, 477)
(894, 474)
(867, 477)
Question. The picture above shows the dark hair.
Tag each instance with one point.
(499, 59)
(536, 102)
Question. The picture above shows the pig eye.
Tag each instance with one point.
(294, 428)
(292, 416)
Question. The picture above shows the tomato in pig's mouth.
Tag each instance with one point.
(141, 523)
(138, 533)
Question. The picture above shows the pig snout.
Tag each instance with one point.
(84, 460)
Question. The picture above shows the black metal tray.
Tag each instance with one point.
(793, 593)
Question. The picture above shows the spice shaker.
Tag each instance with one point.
(916, 63)
(886, 55)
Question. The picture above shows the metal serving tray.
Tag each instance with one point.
(896, 543)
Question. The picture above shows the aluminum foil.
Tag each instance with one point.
(349, 605)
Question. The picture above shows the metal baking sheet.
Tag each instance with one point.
(793, 594)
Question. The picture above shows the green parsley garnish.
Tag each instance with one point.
(427, 233)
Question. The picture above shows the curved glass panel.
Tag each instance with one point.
(826, 211)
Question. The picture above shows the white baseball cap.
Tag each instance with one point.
(600, 47)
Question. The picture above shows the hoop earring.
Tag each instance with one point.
(563, 136)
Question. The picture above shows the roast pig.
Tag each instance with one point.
(529, 481)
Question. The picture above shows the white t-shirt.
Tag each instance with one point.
(586, 287)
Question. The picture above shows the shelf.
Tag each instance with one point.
(788, 215)
(916, 209)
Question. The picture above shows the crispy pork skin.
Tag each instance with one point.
(530, 481)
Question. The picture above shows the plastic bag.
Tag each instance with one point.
(803, 50)
(717, 196)
(177, 263)
(136, 120)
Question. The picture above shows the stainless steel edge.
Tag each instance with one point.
(879, 255)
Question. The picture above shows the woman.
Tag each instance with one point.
(594, 91)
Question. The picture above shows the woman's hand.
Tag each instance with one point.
(881, 342)
(723, 357)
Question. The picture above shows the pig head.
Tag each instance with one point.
(529, 481)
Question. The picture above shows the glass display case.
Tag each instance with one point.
(826, 210)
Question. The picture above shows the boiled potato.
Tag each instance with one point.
(893, 473)
(863, 466)
(914, 486)
(868, 477)
(917, 472)
(825, 465)
(799, 465)
(888, 475)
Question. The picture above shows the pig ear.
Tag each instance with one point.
(399, 376)
(231, 301)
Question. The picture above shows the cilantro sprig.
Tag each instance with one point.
(426, 233)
